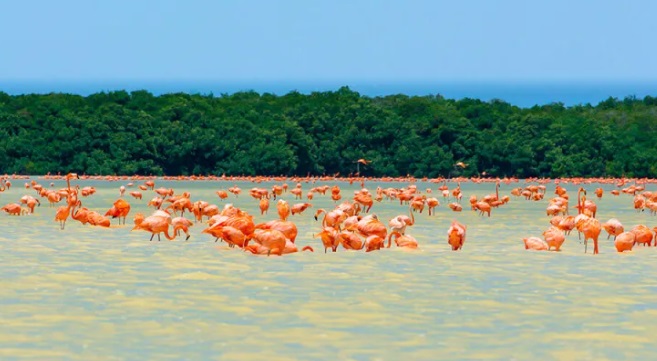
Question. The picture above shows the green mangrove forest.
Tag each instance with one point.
(248, 133)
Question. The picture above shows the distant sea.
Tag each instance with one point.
(522, 94)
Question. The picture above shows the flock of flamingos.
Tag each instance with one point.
(349, 225)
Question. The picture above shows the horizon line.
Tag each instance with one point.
(345, 82)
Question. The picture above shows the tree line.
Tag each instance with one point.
(248, 133)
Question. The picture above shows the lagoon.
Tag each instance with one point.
(87, 293)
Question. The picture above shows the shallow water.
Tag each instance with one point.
(88, 293)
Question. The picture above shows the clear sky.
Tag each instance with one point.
(405, 40)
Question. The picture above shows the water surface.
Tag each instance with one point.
(88, 293)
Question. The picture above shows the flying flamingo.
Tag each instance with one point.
(359, 162)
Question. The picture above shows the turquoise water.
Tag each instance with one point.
(89, 293)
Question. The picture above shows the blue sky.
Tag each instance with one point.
(247, 40)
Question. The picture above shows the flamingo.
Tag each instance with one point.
(625, 241)
(156, 223)
(264, 205)
(121, 208)
(554, 237)
(63, 212)
(300, 207)
(14, 209)
(613, 227)
(329, 237)
(405, 241)
(331, 219)
(370, 225)
(232, 236)
(455, 207)
(591, 230)
(400, 222)
(535, 244)
(432, 203)
(642, 234)
(289, 229)
(272, 240)
(180, 224)
(283, 209)
(350, 241)
(456, 235)
(374, 243)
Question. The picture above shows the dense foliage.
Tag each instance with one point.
(322, 133)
